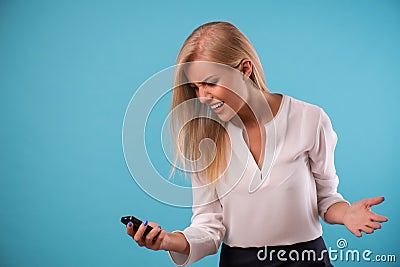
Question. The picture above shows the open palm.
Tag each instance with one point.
(359, 217)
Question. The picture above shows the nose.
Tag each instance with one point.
(203, 94)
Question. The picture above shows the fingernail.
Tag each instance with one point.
(129, 224)
(145, 223)
(159, 226)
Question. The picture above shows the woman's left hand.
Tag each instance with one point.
(359, 217)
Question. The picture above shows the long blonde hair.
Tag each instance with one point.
(219, 42)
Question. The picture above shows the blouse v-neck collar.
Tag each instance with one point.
(243, 153)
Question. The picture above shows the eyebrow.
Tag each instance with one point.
(206, 79)
(209, 77)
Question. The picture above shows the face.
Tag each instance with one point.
(219, 87)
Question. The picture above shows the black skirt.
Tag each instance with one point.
(311, 254)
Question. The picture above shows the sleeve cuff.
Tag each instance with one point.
(323, 211)
(180, 259)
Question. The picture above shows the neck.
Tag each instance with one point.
(256, 111)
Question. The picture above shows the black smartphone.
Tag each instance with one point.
(136, 223)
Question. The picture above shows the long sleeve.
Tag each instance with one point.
(323, 166)
(206, 231)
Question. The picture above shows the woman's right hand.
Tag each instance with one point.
(149, 241)
(165, 241)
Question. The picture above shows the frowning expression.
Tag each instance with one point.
(218, 86)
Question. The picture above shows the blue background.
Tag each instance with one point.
(68, 70)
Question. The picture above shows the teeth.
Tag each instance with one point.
(217, 105)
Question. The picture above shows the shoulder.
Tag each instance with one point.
(302, 109)
(309, 116)
(301, 105)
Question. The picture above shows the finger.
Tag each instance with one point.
(159, 240)
(374, 225)
(129, 229)
(151, 240)
(356, 232)
(151, 236)
(374, 201)
(367, 230)
(378, 218)
(139, 233)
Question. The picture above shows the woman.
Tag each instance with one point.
(269, 172)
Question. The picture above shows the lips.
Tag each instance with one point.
(217, 105)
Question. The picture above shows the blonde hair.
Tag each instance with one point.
(219, 42)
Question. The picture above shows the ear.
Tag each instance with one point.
(247, 68)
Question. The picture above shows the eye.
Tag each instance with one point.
(192, 86)
(212, 83)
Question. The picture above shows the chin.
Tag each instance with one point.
(225, 117)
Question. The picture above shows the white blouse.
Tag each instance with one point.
(277, 205)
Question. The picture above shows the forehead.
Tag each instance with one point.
(198, 71)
